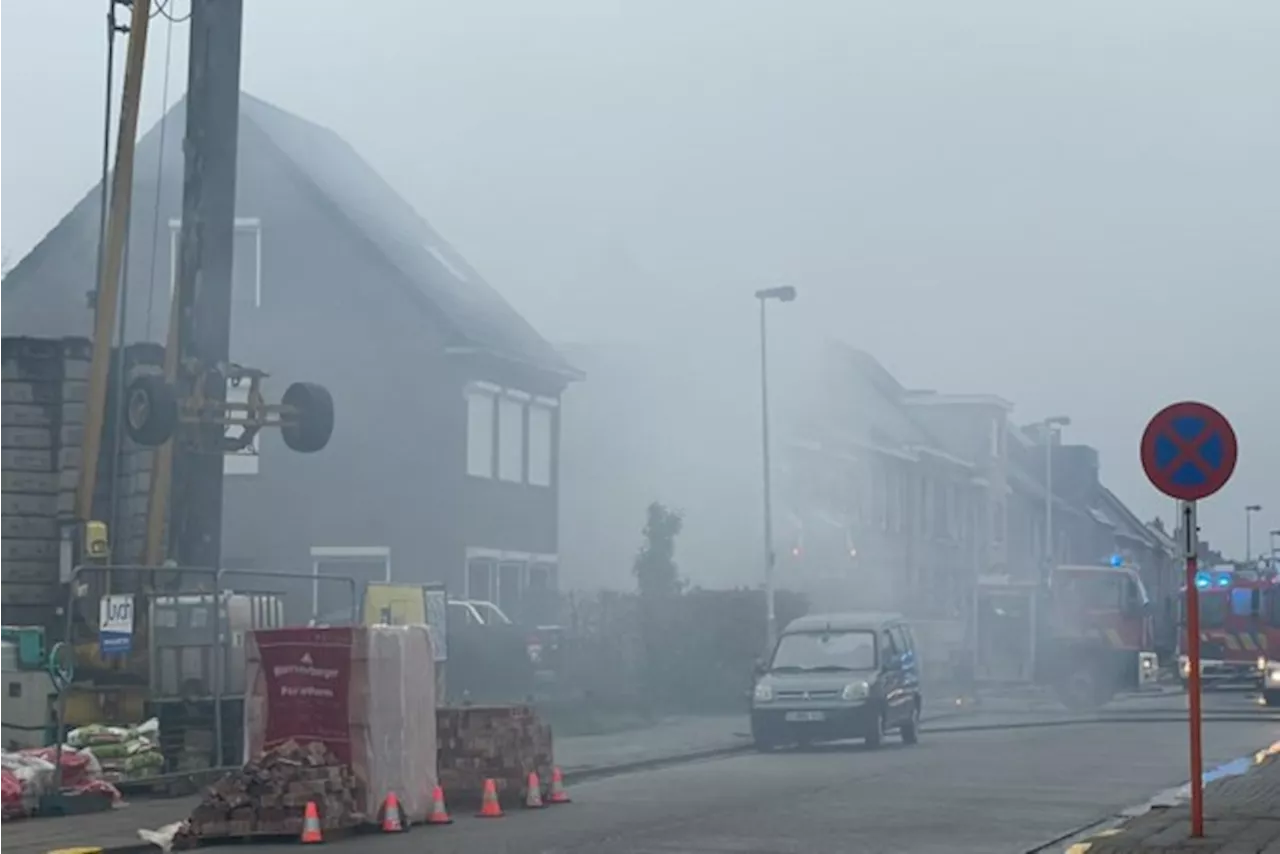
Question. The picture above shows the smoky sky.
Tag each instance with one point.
(1074, 205)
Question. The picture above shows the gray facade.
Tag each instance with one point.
(338, 281)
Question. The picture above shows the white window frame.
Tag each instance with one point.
(490, 393)
(336, 554)
(516, 401)
(243, 223)
(243, 462)
(547, 407)
(497, 557)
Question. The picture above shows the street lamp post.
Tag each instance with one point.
(1052, 426)
(783, 293)
(1275, 552)
(1249, 510)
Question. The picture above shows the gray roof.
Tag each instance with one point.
(474, 314)
(1127, 523)
(881, 415)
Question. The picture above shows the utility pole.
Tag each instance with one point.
(1249, 510)
(203, 291)
(1052, 429)
(782, 293)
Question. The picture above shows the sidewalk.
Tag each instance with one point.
(578, 756)
(1242, 816)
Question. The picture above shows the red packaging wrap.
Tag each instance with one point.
(307, 676)
(366, 692)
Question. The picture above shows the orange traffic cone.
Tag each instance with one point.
(533, 793)
(311, 825)
(557, 795)
(490, 808)
(392, 820)
(438, 814)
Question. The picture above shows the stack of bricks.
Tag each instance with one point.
(501, 743)
(269, 797)
(45, 382)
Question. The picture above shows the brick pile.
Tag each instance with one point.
(502, 743)
(268, 797)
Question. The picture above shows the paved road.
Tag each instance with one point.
(981, 792)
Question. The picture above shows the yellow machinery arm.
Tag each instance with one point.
(109, 285)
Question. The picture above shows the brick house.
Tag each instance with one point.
(443, 464)
(879, 510)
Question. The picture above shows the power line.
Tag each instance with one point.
(162, 8)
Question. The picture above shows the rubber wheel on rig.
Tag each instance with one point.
(311, 425)
(150, 410)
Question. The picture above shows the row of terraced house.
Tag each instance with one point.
(885, 496)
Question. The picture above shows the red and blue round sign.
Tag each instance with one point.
(1189, 450)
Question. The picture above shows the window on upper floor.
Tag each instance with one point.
(892, 487)
(882, 474)
(541, 443)
(510, 435)
(246, 260)
(904, 503)
(510, 439)
(996, 431)
(940, 521)
(480, 422)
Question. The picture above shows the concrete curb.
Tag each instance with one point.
(597, 772)
(615, 769)
(1079, 834)
(1067, 842)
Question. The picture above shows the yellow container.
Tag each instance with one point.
(118, 705)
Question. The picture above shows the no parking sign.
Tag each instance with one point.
(1189, 452)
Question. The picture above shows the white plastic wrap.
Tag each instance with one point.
(367, 692)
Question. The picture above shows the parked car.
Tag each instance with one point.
(838, 676)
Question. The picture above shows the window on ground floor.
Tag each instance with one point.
(522, 585)
(541, 424)
(336, 570)
(510, 440)
(480, 432)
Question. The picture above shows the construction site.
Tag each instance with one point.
(137, 662)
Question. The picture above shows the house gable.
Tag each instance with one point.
(45, 294)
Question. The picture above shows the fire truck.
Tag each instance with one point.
(1088, 633)
(1270, 660)
(1238, 625)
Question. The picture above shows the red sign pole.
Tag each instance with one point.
(1191, 540)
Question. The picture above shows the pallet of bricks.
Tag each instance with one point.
(370, 692)
(500, 743)
(269, 796)
(45, 382)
